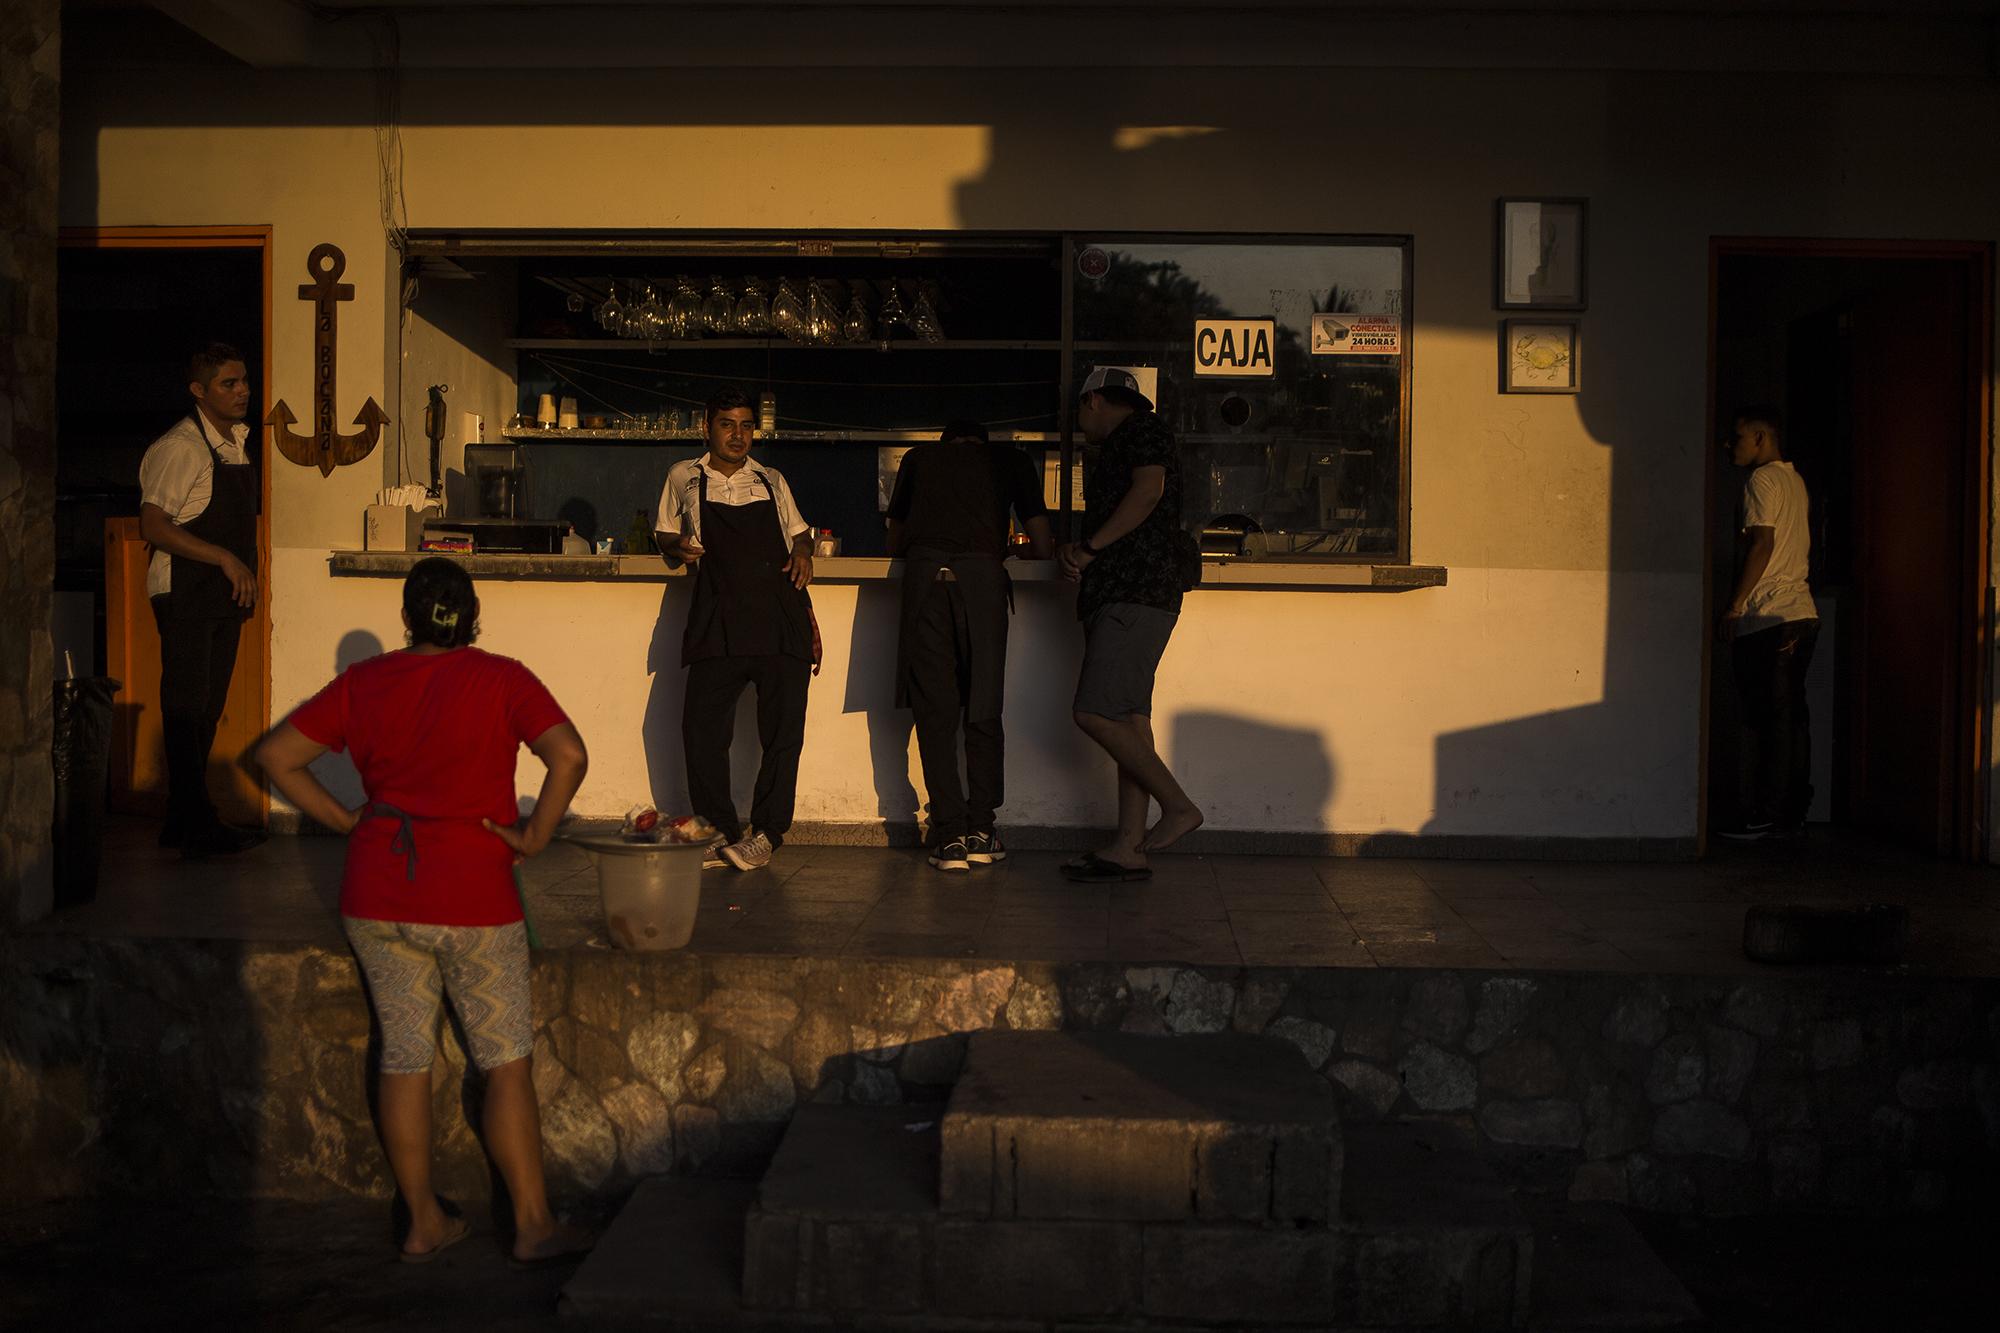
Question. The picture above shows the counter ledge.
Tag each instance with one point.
(1245, 574)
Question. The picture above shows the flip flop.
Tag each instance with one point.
(568, 1256)
(1088, 861)
(1094, 869)
(456, 1230)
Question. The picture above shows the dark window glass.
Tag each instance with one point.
(1299, 453)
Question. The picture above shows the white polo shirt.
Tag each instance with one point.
(680, 498)
(178, 475)
(1774, 497)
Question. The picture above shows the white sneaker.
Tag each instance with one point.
(753, 852)
(711, 855)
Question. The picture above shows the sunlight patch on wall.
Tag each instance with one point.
(681, 176)
(1133, 138)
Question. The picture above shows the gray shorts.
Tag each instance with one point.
(1122, 645)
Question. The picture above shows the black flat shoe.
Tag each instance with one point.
(1094, 869)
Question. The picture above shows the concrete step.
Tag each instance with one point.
(673, 1254)
(1115, 1127)
(843, 1229)
(1436, 1239)
(1595, 1273)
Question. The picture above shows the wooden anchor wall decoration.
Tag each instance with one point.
(325, 449)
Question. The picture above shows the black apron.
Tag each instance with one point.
(744, 603)
(197, 590)
(989, 599)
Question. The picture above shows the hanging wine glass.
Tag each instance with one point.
(753, 311)
(718, 310)
(650, 320)
(684, 310)
(892, 312)
(857, 326)
(822, 317)
(610, 315)
(788, 317)
(923, 317)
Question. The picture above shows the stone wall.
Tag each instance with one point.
(30, 44)
(160, 1065)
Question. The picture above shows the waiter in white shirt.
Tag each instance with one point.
(198, 506)
(750, 623)
(1772, 624)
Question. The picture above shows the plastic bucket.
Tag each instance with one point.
(650, 890)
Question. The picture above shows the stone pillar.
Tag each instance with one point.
(30, 44)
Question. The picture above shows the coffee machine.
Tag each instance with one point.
(499, 474)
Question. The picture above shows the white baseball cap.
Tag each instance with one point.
(1116, 378)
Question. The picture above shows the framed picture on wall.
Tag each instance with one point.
(1539, 356)
(1539, 254)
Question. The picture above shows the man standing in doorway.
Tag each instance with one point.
(1134, 562)
(948, 519)
(1771, 624)
(198, 506)
(749, 623)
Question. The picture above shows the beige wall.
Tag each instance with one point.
(1572, 526)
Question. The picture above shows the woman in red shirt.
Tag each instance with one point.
(428, 898)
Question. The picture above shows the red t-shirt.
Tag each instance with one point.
(436, 736)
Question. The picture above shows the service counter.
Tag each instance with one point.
(1262, 675)
(868, 569)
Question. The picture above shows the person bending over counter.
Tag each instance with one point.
(948, 519)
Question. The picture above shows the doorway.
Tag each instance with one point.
(132, 304)
(1878, 355)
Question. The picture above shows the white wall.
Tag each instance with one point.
(1272, 706)
(1551, 688)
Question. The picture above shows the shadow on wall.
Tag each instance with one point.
(336, 772)
(1609, 767)
(871, 689)
(660, 725)
(1219, 757)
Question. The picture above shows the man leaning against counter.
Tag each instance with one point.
(750, 622)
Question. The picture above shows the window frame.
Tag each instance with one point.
(1404, 241)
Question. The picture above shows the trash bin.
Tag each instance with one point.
(650, 889)
(83, 774)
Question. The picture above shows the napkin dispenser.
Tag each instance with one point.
(393, 527)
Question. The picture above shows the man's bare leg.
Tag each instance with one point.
(1133, 803)
(1177, 820)
(1129, 742)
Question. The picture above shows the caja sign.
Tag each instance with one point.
(1235, 348)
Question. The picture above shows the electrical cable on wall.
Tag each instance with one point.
(386, 35)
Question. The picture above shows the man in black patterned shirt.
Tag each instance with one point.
(1132, 567)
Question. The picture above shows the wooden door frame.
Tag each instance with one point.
(1973, 735)
(214, 238)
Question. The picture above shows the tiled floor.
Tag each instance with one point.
(1221, 910)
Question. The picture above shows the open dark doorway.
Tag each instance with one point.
(132, 305)
(1878, 356)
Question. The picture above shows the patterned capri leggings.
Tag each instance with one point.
(484, 969)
